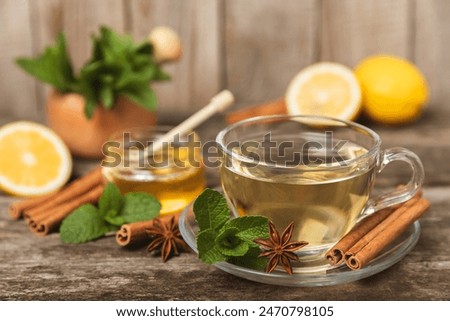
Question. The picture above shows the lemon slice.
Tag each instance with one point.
(33, 159)
(324, 89)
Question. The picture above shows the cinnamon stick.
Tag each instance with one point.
(272, 108)
(16, 209)
(133, 234)
(78, 187)
(384, 233)
(336, 254)
(48, 222)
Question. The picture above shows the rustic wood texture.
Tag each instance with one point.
(266, 44)
(45, 269)
(36, 268)
(196, 77)
(82, 18)
(431, 47)
(47, 20)
(352, 29)
(18, 92)
(253, 47)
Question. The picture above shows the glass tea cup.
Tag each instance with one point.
(174, 174)
(317, 172)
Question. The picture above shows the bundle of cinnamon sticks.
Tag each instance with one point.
(44, 214)
(374, 233)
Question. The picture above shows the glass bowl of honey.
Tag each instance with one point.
(174, 173)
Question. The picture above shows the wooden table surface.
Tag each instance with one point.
(34, 268)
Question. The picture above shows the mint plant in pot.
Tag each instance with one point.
(110, 93)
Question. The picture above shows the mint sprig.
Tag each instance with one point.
(53, 66)
(118, 67)
(88, 222)
(221, 238)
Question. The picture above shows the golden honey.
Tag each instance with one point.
(174, 175)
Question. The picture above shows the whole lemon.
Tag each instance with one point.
(394, 91)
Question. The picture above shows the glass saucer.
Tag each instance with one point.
(333, 275)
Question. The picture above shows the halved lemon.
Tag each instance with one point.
(325, 89)
(33, 159)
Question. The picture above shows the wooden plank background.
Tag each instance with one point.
(252, 47)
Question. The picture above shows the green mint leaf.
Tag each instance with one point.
(143, 96)
(113, 43)
(139, 206)
(250, 260)
(140, 61)
(128, 80)
(249, 228)
(229, 244)
(90, 71)
(111, 227)
(110, 202)
(144, 48)
(96, 49)
(116, 221)
(82, 225)
(160, 75)
(53, 66)
(211, 210)
(208, 252)
(89, 107)
(106, 96)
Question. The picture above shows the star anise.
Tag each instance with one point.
(280, 250)
(166, 238)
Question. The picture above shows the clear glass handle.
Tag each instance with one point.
(407, 191)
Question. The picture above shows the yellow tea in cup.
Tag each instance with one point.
(323, 205)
